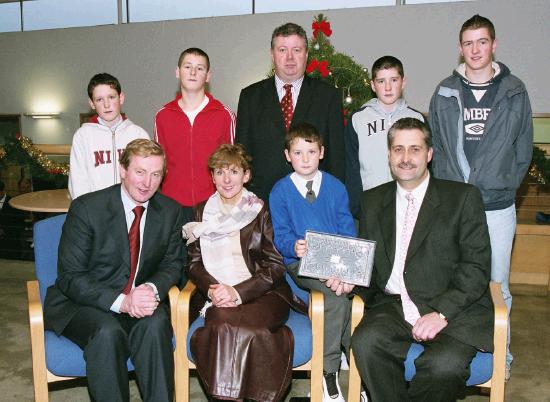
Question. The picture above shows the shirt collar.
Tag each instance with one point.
(302, 182)
(127, 202)
(418, 193)
(279, 83)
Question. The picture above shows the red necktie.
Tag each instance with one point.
(286, 105)
(133, 238)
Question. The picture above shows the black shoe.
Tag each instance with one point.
(542, 218)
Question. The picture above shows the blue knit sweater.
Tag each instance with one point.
(292, 214)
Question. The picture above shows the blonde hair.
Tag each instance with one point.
(143, 148)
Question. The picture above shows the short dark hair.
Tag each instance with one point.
(385, 63)
(2, 186)
(229, 154)
(288, 29)
(476, 22)
(410, 123)
(144, 148)
(305, 131)
(197, 52)
(103, 79)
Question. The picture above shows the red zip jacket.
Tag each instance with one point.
(187, 148)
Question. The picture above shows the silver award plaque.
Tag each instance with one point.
(346, 258)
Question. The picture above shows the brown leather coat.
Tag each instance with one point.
(262, 260)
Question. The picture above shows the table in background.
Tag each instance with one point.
(43, 201)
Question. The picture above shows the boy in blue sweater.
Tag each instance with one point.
(310, 199)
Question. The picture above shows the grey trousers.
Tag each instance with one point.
(337, 319)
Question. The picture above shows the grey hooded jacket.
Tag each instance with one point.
(504, 154)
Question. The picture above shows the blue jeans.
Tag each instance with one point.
(502, 228)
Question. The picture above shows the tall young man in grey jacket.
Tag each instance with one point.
(483, 135)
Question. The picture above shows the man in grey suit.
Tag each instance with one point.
(120, 252)
(268, 107)
(431, 274)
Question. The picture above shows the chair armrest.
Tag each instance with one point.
(182, 329)
(357, 310)
(317, 317)
(38, 349)
(173, 294)
(183, 305)
(499, 342)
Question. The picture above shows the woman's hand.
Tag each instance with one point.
(223, 295)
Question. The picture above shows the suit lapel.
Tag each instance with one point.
(272, 106)
(119, 226)
(304, 101)
(387, 223)
(150, 232)
(425, 218)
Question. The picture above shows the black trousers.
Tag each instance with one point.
(109, 339)
(380, 344)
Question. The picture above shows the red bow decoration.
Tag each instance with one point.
(322, 26)
(315, 64)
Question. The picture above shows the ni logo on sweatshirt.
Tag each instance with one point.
(104, 157)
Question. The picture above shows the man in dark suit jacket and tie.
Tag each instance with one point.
(120, 252)
(432, 267)
(268, 107)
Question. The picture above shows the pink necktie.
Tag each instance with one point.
(133, 239)
(286, 105)
(409, 308)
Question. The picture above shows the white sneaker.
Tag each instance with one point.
(331, 388)
(364, 397)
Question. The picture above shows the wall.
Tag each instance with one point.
(43, 70)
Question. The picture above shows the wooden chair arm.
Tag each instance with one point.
(182, 329)
(38, 349)
(357, 310)
(499, 341)
(317, 317)
(173, 294)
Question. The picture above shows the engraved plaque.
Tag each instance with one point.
(347, 258)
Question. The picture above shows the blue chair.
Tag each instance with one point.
(487, 369)
(55, 358)
(307, 331)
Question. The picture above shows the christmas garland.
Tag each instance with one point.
(20, 150)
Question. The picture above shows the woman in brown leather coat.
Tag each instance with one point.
(244, 351)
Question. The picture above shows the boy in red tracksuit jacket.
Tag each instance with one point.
(190, 128)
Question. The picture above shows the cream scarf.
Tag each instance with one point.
(218, 224)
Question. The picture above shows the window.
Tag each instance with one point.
(10, 17)
(271, 6)
(161, 10)
(48, 14)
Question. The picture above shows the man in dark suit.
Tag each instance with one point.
(430, 281)
(268, 107)
(120, 252)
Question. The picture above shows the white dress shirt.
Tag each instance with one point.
(129, 205)
(300, 183)
(295, 90)
(401, 203)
